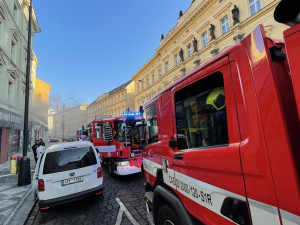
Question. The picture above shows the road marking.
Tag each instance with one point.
(127, 213)
(7, 175)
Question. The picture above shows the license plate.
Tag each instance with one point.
(71, 180)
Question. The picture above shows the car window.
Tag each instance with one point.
(69, 160)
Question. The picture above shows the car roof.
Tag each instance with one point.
(68, 145)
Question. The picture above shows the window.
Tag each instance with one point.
(70, 159)
(98, 132)
(159, 74)
(147, 82)
(151, 128)
(201, 119)
(254, 6)
(153, 79)
(204, 39)
(189, 50)
(138, 88)
(176, 59)
(166, 67)
(225, 25)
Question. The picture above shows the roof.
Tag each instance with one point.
(119, 88)
(61, 146)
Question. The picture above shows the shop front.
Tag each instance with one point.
(11, 133)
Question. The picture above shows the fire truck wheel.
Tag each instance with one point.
(167, 216)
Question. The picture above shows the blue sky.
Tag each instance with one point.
(89, 47)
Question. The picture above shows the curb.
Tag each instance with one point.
(29, 215)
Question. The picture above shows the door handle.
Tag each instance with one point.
(236, 210)
(178, 156)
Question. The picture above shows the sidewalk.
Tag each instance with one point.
(15, 202)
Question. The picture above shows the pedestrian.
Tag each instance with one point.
(40, 148)
(34, 147)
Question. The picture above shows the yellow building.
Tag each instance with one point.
(113, 103)
(207, 28)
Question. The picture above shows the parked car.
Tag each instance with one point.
(54, 139)
(70, 138)
(67, 172)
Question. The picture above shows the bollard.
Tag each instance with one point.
(24, 174)
(14, 164)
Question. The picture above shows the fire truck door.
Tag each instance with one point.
(208, 176)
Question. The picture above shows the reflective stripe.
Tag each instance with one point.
(212, 197)
(206, 195)
(109, 148)
(262, 213)
(289, 218)
(150, 167)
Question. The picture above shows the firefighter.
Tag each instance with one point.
(217, 132)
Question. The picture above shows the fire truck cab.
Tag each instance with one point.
(110, 137)
(222, 143)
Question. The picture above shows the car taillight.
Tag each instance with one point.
(99, 172)
(41, 185)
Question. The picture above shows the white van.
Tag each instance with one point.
(67, 172)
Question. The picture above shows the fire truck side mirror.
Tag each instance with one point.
(130, 121)
(173, 143)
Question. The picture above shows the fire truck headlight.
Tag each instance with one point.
(125, 163)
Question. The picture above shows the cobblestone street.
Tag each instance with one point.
(102, 210)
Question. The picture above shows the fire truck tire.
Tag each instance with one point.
(167, 216)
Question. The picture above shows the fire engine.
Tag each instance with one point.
(110, 137)
(222, 143)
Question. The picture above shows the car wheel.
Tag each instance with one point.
(167, 216)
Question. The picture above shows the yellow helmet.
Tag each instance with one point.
(216, 98)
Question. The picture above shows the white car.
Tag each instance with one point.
(67, 172)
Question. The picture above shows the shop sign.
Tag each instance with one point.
(10, 119)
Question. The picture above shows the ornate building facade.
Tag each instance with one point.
(207, 28)
(113, 103)
(13, 59)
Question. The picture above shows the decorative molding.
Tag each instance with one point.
(222, 11)
(203, 27)
(166, 58)
(188, 39)
(238, 37)
(214, 52)
(3, 15)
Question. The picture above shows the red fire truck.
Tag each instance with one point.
(222, 143)
(110, 137)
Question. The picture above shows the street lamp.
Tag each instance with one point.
(24, 177)
(147, 84)
(63, 137)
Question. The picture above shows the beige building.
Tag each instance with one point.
(207, 28)
(51, 113)
(71, 119)
(13, 60)
(113, 103)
